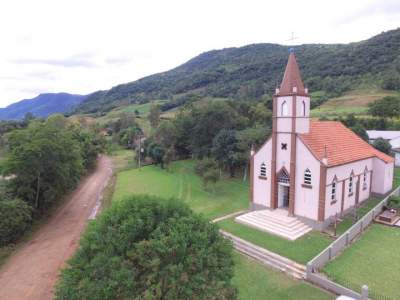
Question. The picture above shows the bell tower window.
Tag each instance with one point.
(284, 109)
(303, 109)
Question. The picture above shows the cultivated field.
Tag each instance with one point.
(355, 102)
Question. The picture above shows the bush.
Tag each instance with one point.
(148, 248)
(382, 145)
(394, 202)
(15, 218)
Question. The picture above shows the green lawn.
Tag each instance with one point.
(396, 177)
(301, 250)
(255, 281)
(180, 181)
(373, 260)
(348, 220)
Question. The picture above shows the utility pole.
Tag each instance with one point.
(140, 149)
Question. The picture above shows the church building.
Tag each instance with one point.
(313, 170)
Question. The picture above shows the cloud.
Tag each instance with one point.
(80, 60)
(385, 8)
(117, 60)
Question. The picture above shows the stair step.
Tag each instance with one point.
(272, 228)
(267, 257)
(275, 223)
(295, 225)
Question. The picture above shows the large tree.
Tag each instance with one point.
(387, 107)
(148, 248)
(46, 160)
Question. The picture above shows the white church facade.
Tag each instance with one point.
(313, 169)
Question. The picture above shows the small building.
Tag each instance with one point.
(393, 137)
(313, 169)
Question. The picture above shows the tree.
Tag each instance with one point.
(154, 115)
(15, 219)
(360, 131)
(146, 247)
(387, 107)
(225, 150)
(382, 145)
(156, 152)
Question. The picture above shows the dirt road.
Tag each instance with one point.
(32, 271)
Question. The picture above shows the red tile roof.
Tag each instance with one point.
(341, 144)
(291, 78)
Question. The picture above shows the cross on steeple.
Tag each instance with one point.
(292, 38)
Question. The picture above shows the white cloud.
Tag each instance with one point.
(83, 46)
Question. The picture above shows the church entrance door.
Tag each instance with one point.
(283, 195)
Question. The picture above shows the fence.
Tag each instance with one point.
(318, 262)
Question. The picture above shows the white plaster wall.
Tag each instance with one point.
(397, 159)
(331, 207)
(302, 123)
(261, 187)
(306, 201)
(283, 156)
(382, 179)
(342, 173)
(279, 102)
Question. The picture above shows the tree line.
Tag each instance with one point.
(45, 160)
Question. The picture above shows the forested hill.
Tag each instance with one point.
(253, 71)
(41, 106)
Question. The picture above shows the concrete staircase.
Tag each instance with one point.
(276, 222)
(266, 257)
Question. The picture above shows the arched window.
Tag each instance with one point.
(283, 177)
(351, 185)
(333, 191)
(263, 170)
(303, 108)
(284, 109)
(365, 185)
(307, 176)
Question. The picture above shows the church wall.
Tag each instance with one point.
(342, 174)
(283, 156)
(302, 122)
(382, 180)
(262, 186)
(284, 121)
(306, 202)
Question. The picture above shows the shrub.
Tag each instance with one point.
(148, 248)
(15, 218)
(394, 202)
(382, 145)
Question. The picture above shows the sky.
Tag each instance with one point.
(84, 46)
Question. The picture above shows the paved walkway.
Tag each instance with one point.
(32, 271)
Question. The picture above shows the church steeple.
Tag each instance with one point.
(291, 82)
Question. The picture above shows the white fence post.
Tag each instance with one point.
(364, 292)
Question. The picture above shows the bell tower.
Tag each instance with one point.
(291, 116)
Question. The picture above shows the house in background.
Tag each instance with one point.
(308, 171)
(393, 137)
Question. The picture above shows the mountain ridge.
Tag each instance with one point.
(42, 105)
(252, 72)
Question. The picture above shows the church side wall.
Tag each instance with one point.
(261, 185)
(382, 180)
(306, 203)
(344, 199)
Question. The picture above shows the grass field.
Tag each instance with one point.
(352, 102)
(348, 220)
(396, 177)
(255, 281)
(181, 182)
(373, 260)
(301, 250)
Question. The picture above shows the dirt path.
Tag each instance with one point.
(32, 271)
